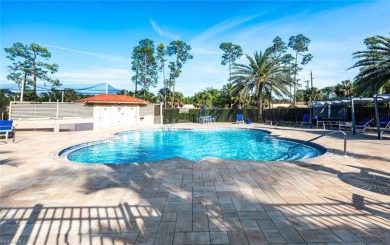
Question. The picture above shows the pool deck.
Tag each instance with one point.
(330, 199)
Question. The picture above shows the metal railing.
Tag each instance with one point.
(326, 134)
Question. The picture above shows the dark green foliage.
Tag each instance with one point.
(300, 45)
(263, 69)
(27, 68)
(312, 93)
(220, 115)
(232, 52)
(171, 115)
(145, 67)
(5, 97)
(345, 89)
(180, 50)
(276, 115)
(374, 64)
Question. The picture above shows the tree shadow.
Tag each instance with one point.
(178, 201)
(376, 181)
(10, 162)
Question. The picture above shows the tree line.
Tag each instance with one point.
(269, 75)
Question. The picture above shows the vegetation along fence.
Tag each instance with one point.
(292, 115)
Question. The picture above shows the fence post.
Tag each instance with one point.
(58, 107)
(57, 126)
(10, 110)
(378, 123)
(353, 116)
(161, 113)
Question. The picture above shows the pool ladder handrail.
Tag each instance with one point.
(166, 126)
(326, 134)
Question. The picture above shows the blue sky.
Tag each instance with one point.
(92, 41)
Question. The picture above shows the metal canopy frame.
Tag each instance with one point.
(95, 88)
(352, 101)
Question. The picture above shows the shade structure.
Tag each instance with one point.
(96, 88)
(352, 101)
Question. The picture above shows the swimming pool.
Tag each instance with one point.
(154, 145)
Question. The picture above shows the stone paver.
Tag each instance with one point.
(331, 199)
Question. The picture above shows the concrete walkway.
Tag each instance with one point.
(330, 199)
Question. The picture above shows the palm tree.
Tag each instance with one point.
(230, 97)
(165, 96)
(374, 64)
(345, 89)
(277, 86)
(261, 71)
(312, 93)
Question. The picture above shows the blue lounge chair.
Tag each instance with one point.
(363, 124)
(384, 125)
(240, 118)
(6, 127)
(306, 120)
(210, 118)
(385, 122)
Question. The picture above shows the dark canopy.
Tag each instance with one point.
(324, 107)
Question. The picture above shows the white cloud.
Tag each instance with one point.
(96, 55)
(222, 27)
(202, 50)
(162, 32)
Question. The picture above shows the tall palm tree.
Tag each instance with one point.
(374, 64)
(278, 86)
(262, 70)
(345, 89)
(312, 93)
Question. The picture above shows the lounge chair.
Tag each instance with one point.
(306, 120)
(386, 130)
(345, 125)
(240, 118)
(385, 122)
(363, 124)
(384, 125)
(6, 127)
(320, 122)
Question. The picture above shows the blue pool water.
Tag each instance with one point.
(154, 145)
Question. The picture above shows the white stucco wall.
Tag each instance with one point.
(111, 116)
(147, 120)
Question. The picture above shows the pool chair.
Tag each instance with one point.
(6, 127)
(320, 122)
(363, 124)
(384, 125)
(345, 125)
(210, 118)
(240, 118)
(306, 120)
(201, 119)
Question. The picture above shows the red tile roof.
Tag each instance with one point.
(113, 98)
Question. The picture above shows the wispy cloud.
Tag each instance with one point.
(100, 56)
(117, 77)
(204, 50)
(162, 32)
(223, 26)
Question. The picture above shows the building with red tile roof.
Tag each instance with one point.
(113, 98)
(113, 110)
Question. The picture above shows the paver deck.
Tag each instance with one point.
(330, 199)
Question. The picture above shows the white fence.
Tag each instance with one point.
(44, 110)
